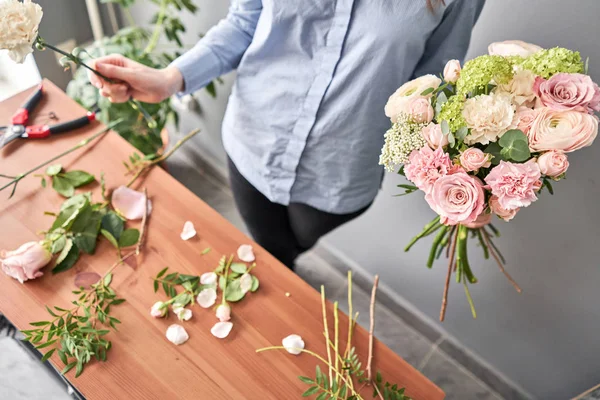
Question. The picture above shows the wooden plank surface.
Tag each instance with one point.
(142, 364)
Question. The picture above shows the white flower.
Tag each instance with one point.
(177, 334)
(512, 48)
(183, 314)
(520, 88)
(19, 22)
(130, 203)
(208, 278)
(246, 283)
(207, 298)
(488, 117)
(245, 253)
(158, 310)
(452, 71)
(188, 231)
(293, 344)
(224, 313)
(398, 101)
(221, 329)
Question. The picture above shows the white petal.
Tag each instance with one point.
(293, 344)
(158, 310)
(188, 231)
(184, 314)
(207, 298)
(177, 334)
(245, 253)
(246, 283)
(209, 278)
(130, 203)
(221, 329)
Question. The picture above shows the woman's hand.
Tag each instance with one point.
(132, 79)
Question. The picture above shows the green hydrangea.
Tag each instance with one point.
(400, 140)
(479, 72)
(548, 62)
(452, 113)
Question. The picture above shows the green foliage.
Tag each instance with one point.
(514, 146)
(548, 62)
(65, 183)
(477, 74)
(78, 334)
(451, 111)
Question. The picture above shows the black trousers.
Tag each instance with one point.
(284, 231)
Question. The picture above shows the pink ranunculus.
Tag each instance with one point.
(481, 221)
(514, 184)
(425, 166)
(509, 48)
(567, 92)
(458, 198)
(500, 211)
(420, 109)
(595, 102)
(524, 118)
(473, 158)
(25, 262)
(562, 130)
(433, 135)
(553, 163)
(452, 71)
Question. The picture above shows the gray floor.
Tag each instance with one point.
(22, 377)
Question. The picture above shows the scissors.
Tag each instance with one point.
(19, 128)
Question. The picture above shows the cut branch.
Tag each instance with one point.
(372, 328)
(447, 285)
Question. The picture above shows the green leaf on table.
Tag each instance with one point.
(112, 223)
(515, 145)
(62, 186)
(59, 244)
(306, 380)
(86, 227)
(107, 279)
(48, 355)
(43, 182)
(110, 237)
(162, 272)
(65, 250)
(79, 369)
(69, 260)
(310, 391)
(69, 210)
(255, 284)
(129, 237)
(78, 178)
(53, 169)
(69, 367)
(205, 251)
(322, 396)
(239, 268)
(233, 292)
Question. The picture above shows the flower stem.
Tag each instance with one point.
(447, 285)
(157, 28)
(326, 331)
(223, 301)
(336, 320)
(128, 16)
(372, 328)
(469, 298)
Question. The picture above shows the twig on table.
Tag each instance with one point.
(447, 285)
(326, 332)
(143, 228)
(372, 328)
(378, 392)
(486, 238)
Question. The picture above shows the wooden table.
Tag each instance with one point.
(142, 364)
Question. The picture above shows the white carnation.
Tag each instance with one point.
(19, 22)
(520, 88)
(488, 117)
(398, 101)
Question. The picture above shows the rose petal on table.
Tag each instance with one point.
(177, 334)
(246, 283)
(188, 231)
(184, 314)
(223, 313)
(86, 279)
(130, 203)
(208, 278)
(245, 253)
(207, 298)
(221, 329)
(293, 344)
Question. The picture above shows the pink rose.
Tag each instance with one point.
(25, 262)
(553, 163)
(524, 118)
(568, 92)
(514, 184)
(433, 135)
(420, 109)
(425, 166)
(452, 71)
(562, 130)
(500, 211)
(472, 159)
(457, 198)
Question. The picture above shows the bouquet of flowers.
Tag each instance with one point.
(486, 139)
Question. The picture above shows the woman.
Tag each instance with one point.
(305, 122)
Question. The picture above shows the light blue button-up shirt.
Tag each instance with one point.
(305, 119)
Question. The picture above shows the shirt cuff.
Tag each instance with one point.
(199, 67)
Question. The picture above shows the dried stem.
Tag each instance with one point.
(486, 238)
(326, 332)
(372, 328)
(143, 228)
(447, 284)
(350, 327)
(337, 339)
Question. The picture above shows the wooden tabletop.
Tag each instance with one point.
(142, 364)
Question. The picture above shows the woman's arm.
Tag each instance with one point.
(450, 40)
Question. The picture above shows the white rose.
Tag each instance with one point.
(488, 117)
(19, 22)
(513, 48)
(452, 71)
(520, 88)
(399, 100)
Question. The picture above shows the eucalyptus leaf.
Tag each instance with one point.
(496, 151)
(239, 268)
(441, 98)
(255, 284)
(233, 292)
(462, 133)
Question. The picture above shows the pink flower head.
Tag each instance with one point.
(501, 212)
(524, 118)
(473, 158)
(420, 109)
(433, 135)
(562, 130)
(481, 221)
(553, 163)
(25, 262)
(514, 184)
(568, 92)
(425, 166)
(458, 198)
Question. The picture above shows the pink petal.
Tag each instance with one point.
(188, 231)
(130, 203)
(245, 253)
(221, 329)
(177, 334)
(293, 344)
(86, 279)
(209, 278)
(207, 298)
(246, 282)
